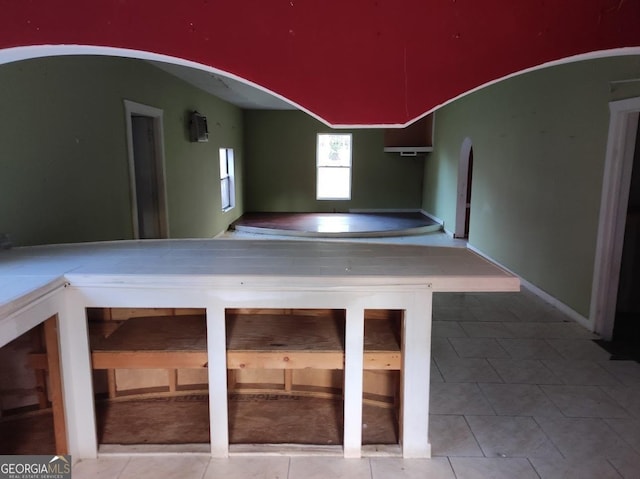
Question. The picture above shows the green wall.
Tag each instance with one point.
(63, 158)
(280, 165)
(539, 143)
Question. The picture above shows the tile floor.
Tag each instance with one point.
(518, 391)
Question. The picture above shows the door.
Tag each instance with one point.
(146, 177)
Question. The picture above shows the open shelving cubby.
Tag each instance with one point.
(295, 357)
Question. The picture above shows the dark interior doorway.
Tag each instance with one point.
(463, 194)
(467, 213)
(626, 331)
(146, 176)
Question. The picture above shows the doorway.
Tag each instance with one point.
(616, 189)
(626, 329)
(146, 170)
(463, 202)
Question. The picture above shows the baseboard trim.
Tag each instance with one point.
(433, 217)
(439, 221)
(546, 297)
(385, 210)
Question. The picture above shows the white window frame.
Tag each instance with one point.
(227, 179)
(319, 167)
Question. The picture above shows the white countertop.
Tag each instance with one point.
(33, 280)
(29, 272)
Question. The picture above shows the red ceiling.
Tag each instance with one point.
(347, 61)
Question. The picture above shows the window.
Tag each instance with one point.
(227, 186)
(334, 167)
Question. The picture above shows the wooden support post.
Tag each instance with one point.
(395, 379)
(55, 383)
(41, 388)
(40, 375)
(113, 385)
(173, 379)
(288, 380)
(231, 380)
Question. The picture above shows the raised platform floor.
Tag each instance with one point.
(336, 225)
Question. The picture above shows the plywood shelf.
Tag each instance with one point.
(290, 351)
(299, 341)
(254, 341)
(288, 333)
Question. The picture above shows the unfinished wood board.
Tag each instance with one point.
(141, 351)
(106, 314)
(284, 419)
(379, 386)
(253, 376)
(285, 359)
(317, 329)
(254, 419)
(159, 333)
(319, 377)
(337, 313)
(162, 420)
(381, 383)
(191, 377)
(99, 330)
(55, 384)
(246, 332)
(382, 334)
(271, 332)
(19, 387)
(30, 433)
(148, 359)
(291, 419)
(127, 379)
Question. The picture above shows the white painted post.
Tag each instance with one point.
(217, 369)
(416, 359)
(353, 366)
(77, 378)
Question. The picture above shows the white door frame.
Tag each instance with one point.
(623, 124)
(463, 176)
(133, 108)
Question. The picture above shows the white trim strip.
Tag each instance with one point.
(556, 303)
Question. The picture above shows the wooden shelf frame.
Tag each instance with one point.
(285, 340)
(216, 275)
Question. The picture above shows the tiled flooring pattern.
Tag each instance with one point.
(518, 391)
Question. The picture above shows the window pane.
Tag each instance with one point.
(334, 183)
(333, 166)
(224, 168)
(225, 191)
(334, 150)
(227, 180)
